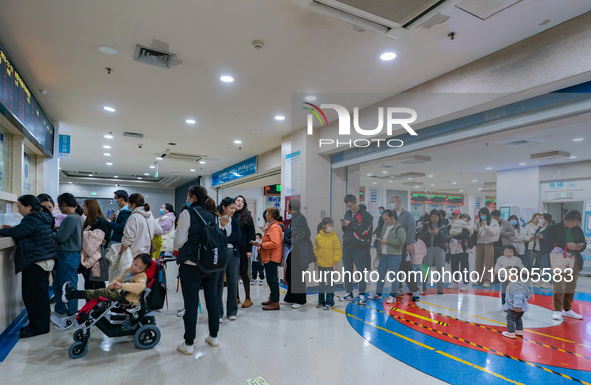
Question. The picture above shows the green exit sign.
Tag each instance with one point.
(93, 194)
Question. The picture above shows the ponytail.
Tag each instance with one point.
(33, 201)
(67, 199)
(137, 199)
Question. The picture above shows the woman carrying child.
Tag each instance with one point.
(459, 244)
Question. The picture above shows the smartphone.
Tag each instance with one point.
(225, 217)
(581, 244)
(253, 242)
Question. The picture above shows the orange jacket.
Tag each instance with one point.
(272, 244)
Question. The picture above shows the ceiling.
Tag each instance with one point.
(54, 46)
(466, 162)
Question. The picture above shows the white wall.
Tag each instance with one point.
(519, 187)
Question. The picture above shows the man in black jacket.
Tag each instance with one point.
(568, 236)
(357, 228)
(118, 220)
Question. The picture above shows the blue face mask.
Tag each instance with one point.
(483, 217)
(161, 211)
(381, 212)
(188, 203)
(514, 222)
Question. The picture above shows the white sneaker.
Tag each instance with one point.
(505, 308)
(253, 282)
(180, 312)
(487, 285)
(221, 320)
(391, 299)
(362, 300)
(232, 318)
(282, 302)
(212, 341)
(557, 316)
(463, 287)
(297, 305)
(261, 282)
(346, 297)
(185, 349)
(400, 293)
(453, 286)
(571, 314)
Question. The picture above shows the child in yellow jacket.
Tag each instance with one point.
(328, 251)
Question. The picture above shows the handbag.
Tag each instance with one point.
(560, 259)
(455, 247)
(104, 264)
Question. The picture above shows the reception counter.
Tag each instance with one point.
(11, 303)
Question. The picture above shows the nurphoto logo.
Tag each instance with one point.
(393, 116)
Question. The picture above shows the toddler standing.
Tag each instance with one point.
(328, 251)
(517, 296)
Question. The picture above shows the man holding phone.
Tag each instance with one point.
(357, 228)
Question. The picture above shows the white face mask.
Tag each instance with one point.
(392, 206)
(541, 222)
(329, 229)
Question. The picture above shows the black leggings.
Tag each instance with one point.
(244, 274)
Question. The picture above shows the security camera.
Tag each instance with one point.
(140, 145)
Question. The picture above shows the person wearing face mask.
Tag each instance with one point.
(518, 239)
(507, 233)
(328, 251)
(532, 245)
(488, 233)
(166, 221)
(461, 240)
(378, 230)
(543, 255)
(119, 220)
(407, 221)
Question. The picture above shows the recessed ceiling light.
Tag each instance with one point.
(159, 158)
(384, 172)
(192, 170)
(237, 141)
(474, 180)
(146, 174)
(369, 174)
(461, 190)
(390, 181)
(454, 182)
(202, 162)
(223, 149)
(279, 117)
(227, 78)
(432, 185)
(375, 182)
(386, 56)
(190, 121)
(310, 98)
(480, 189)
(107, 50)
(106, 154)
(107, 147)
(430, 176)
(578, 139)
(139, 177)
(572, 157)
(115, 176)
(522, 164)
(255, 131)
(89, 174)
(108, 108)
(489, 168)
(109, 135)
(109, 163)
(152, 166)
(409, 178)
(70, 182)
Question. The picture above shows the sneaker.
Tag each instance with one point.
(212, 341)
(509, 335)
(400, 293)
(327, 307)
(374, 296)
(232, 318)
(285, 303)
(486, 285)
(557, 316)
(547, 285)
(463, 287)
(221, 320)
(453, 286)
(391, 299)
(180, 312)
(439, 290)
(185, 349)
(362, 300)
(416, 296)
(519, 333)
(67, 289)
(420, 292)
(261, 282)
(346, 297)
(319, 305)
(505, 308)
(253, 282)
(297, 305)
(571, 314)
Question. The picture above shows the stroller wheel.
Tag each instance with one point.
(147, 336)
(79, 335)
(78, 349)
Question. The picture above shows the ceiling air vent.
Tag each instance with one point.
(550, 155)
(153, 56)
(411, 175)
(184, 157)
(412, 184)
(415, 159)
(133, 135)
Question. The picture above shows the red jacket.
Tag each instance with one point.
(272, 244)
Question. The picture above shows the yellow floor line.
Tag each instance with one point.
(478, 367)
(419, 316)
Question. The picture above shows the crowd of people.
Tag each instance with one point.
(79, 244)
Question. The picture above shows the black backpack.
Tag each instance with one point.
(157, 295)
(212, 255)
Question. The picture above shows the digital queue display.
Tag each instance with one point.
(274, 189)
(437, 199)
(21, 109)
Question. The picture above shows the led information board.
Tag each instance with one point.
(437, 199)
(274, 189)
(21, 109)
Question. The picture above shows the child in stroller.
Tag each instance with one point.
(120, 309)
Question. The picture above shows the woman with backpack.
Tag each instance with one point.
(271, 255)
(231, 227)
(190, 234)
(34, 258)
(247, 235)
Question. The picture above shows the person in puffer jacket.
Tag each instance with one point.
(517, 296)
(328, 251)
(141, 227)
(35, 259)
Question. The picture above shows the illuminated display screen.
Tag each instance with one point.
(274, 189)
(21, 109)
(437, 199)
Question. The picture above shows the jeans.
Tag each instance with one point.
(272, 280)
(257, 267)
(191, 280)
(325, 287)
(66, 270)
(392, 263)
(418, 268)
(354, 256)
(35, 291)
(436, 256)
(460, 261)
(231, 273)
(514, 321)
